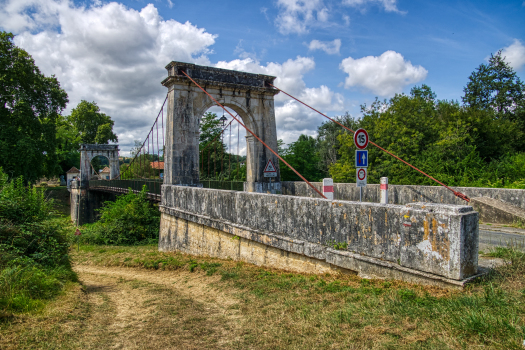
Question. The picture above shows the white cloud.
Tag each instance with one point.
(109, 54)
(388, 5)
(330, 47)
(296, 16)
(115, 56)
(293, 118)
(346, 19)
(384, 75)
(515, 54)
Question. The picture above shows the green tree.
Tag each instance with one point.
(303, 156)
(495, 88)
(68, 143)
(213, 150)
(439, 137)
(328, 143)
(92, 125)
(30, 105)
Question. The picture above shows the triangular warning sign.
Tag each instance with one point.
(270, 168)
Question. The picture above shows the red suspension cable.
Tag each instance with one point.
(261, 141)
(161, 112)
(456, 193)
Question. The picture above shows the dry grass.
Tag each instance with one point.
(111, 312)
(137, 297)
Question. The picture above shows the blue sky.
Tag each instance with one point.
(334, 54)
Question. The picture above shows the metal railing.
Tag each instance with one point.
(153, 186)
(223, 185)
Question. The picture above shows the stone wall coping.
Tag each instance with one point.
(427, 206)
(95, 147)
(352, 184)
(218, 77)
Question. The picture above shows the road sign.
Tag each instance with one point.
(361, 138)
(361, 158)
(270, 170)
(361, 177)
(77, 232)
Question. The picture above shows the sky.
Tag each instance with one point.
(335, 55)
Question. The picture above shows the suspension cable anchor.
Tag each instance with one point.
(462, 196)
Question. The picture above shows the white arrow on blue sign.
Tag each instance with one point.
(361, 158)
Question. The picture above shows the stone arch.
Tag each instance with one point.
(89, 151)
(245, 114)
(247, 94)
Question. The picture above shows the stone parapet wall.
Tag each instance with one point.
(441, 240)
(404, 194)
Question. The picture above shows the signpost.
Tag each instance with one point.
(361, 159)
(361, 138)
(361, 174)
(270, 170)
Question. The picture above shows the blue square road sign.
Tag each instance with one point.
(361, 158)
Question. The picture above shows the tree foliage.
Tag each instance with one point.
(303, 156)
(496, 86)
(459, 145)
(30, 106)
(92, 125)
(213, 156)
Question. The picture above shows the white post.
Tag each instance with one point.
(384, 190)
(328, 188)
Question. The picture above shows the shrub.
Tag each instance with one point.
(34, 261)
(24, 231)
(131, 219)
(20, 204)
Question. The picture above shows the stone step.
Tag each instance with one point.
(496, 211)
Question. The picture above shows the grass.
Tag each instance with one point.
(287, 310)
(276, 309)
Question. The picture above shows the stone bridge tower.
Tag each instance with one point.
(89, 151)
(245, 93)
(84, 202)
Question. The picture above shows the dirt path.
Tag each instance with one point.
(145, 309)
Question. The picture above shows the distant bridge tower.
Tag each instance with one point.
(84, 202)
(88, 152)
(245, 93)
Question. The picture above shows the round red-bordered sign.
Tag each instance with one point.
(361, 138)
(361, 174)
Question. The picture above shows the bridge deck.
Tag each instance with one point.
(153, 186)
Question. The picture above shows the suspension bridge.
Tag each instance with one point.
(147, 165)
(204, 204)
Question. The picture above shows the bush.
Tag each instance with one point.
(34, 260)
(44, 243)
(131, 219)
(20, 204)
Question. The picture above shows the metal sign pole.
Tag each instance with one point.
(360, 193)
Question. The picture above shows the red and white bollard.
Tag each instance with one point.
(328, 188)
(384, 190)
